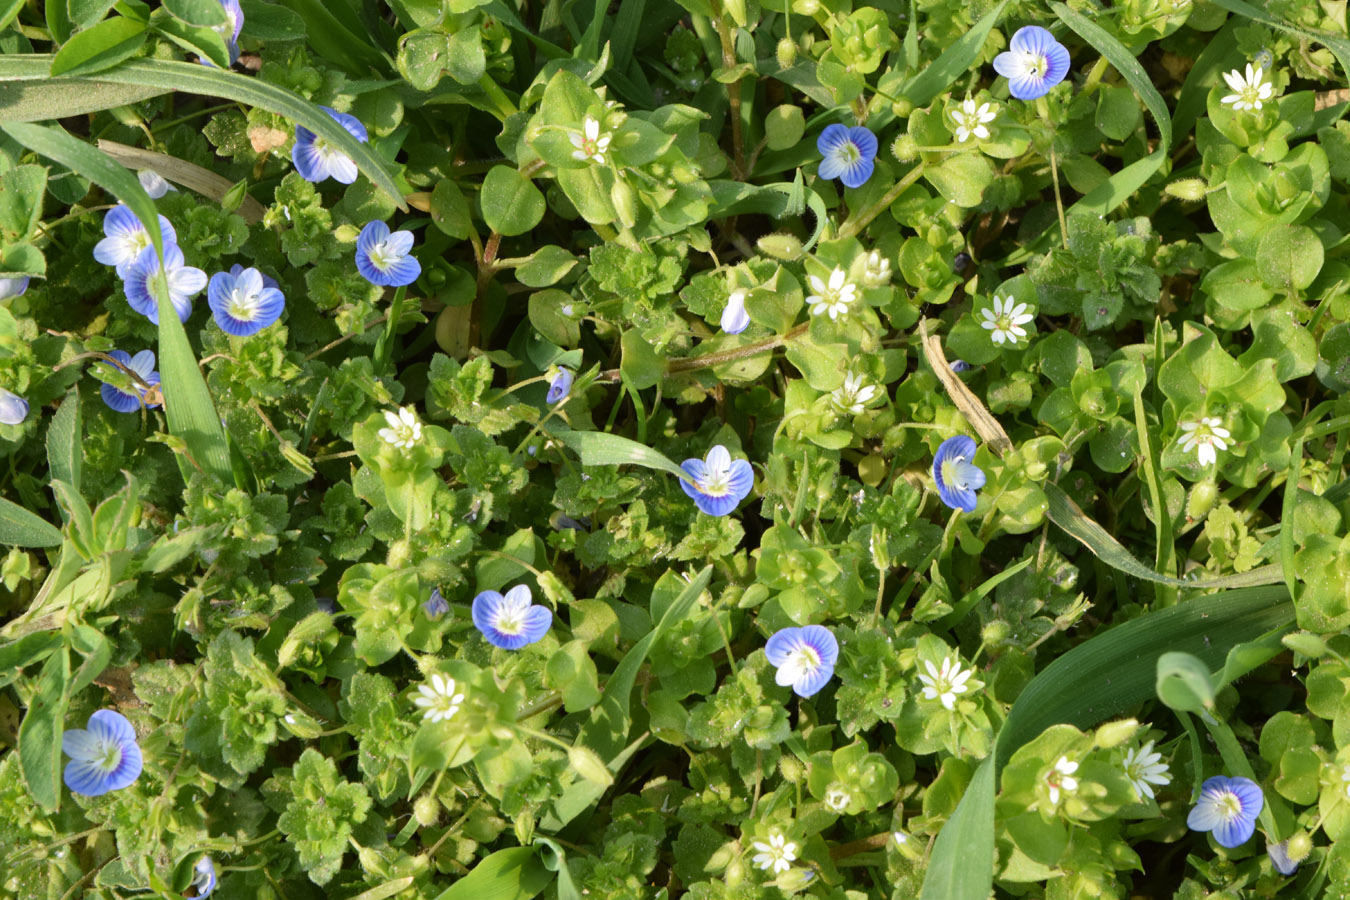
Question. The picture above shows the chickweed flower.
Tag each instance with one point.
(718, 483)
(438, 701)
(956, 476)
(126, 238)
(776, 856)
(1060, 779)
(204, 877)
(1248, 91)
(804, 657)
(944, 683)
(734, 318)
(832, 297)
(1004, 322)
(317, 160)
(970, 120)
(104, 757)
(854, 396)
(242, 303)
(849, 154)
(1033, 63)
(876, 270)
(1228, 808)
(837, 799)
(1145, 769)
(590, 144)
(184, 282)
(13, 408)
(1206, 438)
(385, 258)
(143, 364)
(559, 387)
(404, 430)
(511, 621)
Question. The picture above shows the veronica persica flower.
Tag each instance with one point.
(1227, 808)
(1280, 859)
(184, 282)
(510, 621)
(154, 183)
(204, 877)
(590, 144)
(127, 239)
(718, 483)
(945, 682)
(804, 657)
(1248, 91)
(1004, 322)
(13, 408)
(317, 160)
(849, 154)
(970, 120)
(13, 287)
(234, 15)
(1206, 438)
(832, 297)
(1145, 769)
(436, 606)
(559, 387)
(404, 430)
(1060, 778)
(776, 855)
(104, 757)
(734, 318)
(242, 302)
(1033, 63)
(143, 364)
(439, 701)
(384, 258)
(957, 477)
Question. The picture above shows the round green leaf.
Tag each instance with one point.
(511, 204)
(1289, 257)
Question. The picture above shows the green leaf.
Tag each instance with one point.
(187, 402)
(8, 10)
(271, 22)
(597, 448)
(516, 873)
(968, 834)
(65, 453)
(954, 62)
(37, 102)
(21, 190)
(100, 47)
(337, 43)
(1184, 683)
(201, 13)
(511, 203)
(40, 733)
(21, 528)
(1289, 257)
(205, 42)
(84, 13)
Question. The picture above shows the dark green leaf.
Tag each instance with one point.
(100, 47)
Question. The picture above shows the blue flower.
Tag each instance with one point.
(184, 282)
(849, 154)
(104, 758)
(13, 287)
(127, 239)
(960, 365)
(143, 364)
(957, 477)
(734, 318)
(435, 607)
(316, 159)
(1033, 63)
(385, 259)
(804, 657)
(154, 184)
(230, 31)
(559, 387)
(13, 408)
(719, 483)
(242, 302)
(1228, 807)
(1280, 858)
(510, 622)
(204, 877)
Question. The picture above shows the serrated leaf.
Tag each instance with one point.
(40, 733)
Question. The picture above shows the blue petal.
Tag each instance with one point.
(856, 175)
(307, 160)
(1234, 833)
(716, 506)
(374, 233)
(84, 777)
(811, 683)
(779, 647)
(485, 610)
(13, 408)
(560, 387)
(349, 122)
(831, 167)
(117, 400)
(822, 640)
(537, 622)
(1058, 59)
(742, 479)
(831, 139)
(1028, 87)
(404, 272)
(864, 140)
(108, 724)
(1007, 64)
(696, 470)
(1032, 39)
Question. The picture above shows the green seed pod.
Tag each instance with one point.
(1202, 499)
(905, 148)
(1192, 190)
(787, 52)
(1299, 846)
(902, 107)
(780, 246)
(427, 810)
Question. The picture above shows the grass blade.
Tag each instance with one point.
(598, 448)
(21, 528)
(967, 837)
(954, 62)
(516, 873)
(1165, 558)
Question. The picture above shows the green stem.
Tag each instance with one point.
(505, 108)
(857, 223)
(384, 346)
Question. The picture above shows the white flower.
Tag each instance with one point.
(945, 683)
(1060, 778)
(591, 144)
(970, 120)
(734, 318)
(404, 430)
(776, 856)
(832, 298)
(1145, 768)
(876, 270)
(837, 799)
(1248, 92)
(1205, 437)
(439, 702)
(1005, 320)
(854, 396)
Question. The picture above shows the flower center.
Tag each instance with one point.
(1229, 806)
(110, 756)
(954, 472)
(849, 153)
(716, 482)
(1036, 64)
(589, 147)
(381, 257)
(243, 307)
(806, 659)
(511, 621)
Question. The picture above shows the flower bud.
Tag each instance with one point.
(787, 52)
(347, 234)
(1192, 190)
(995, 633)
(1113, 734)
(1299, 846)
(589, 766)
(399, 552)
(426, 810)
(1310, 645)
(905, 148)
(780, 246)
(1203, 496)
(301, 725)
(902, 107)
(625, 202)
(792, 769)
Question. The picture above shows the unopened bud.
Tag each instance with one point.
(1299, 846)
(781, 246)
(994, 633)
(792, 769)
(399, 551)
(1113, 734)
(589, 766)
(625, 202)
(787, 52)
(1192, 190)
(1310, 645)
(905, 148)
(427, 810)
(902, 107)
(1204, 494)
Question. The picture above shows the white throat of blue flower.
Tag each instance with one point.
(804, 661)
(243, 307)
(848, 153)
(109, 756)
(1228, 806)
(1035, 64)
(511, 618)
(716, 482)
(382, 258)
(137, 241)
(958, 473)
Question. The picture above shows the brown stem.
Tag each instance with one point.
(738, 171)
(690, 363)
(853, 848)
